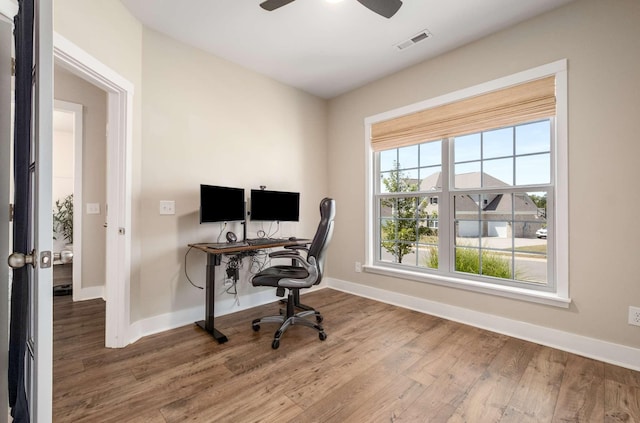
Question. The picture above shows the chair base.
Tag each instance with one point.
(296, 303)
(291, 318)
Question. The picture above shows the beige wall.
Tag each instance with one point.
(206, 120)
(600, 41)
(68, 87)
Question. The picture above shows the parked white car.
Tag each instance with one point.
(541, 233)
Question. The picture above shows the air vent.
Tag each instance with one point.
(420, 36)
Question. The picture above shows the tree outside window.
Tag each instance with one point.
(409, 217)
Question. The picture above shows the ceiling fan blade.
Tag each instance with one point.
(386, 8)
(274, 4)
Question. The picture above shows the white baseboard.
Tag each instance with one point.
(90, 293)
(226, 305)
(619, 355)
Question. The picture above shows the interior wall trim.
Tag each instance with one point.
(616, 354)
(120, 93)
(225, 305)
(89, 293)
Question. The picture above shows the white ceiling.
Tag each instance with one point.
(327, 49)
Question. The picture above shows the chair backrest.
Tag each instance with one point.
(323, 234)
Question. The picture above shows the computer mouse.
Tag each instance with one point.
(293, 238)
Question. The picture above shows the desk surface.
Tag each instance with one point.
(210, 248)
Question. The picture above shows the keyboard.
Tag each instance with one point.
(263, 241)
(227, 245)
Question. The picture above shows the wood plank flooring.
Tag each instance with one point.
(380, 363)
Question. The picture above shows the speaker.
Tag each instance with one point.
(231, 237)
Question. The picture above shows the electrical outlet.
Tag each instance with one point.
(634, 316)
(358, 267)
(167, 207)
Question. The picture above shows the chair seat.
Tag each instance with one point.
(271, 275)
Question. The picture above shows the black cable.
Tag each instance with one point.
(185, 267)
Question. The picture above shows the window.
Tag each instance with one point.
(463, 198)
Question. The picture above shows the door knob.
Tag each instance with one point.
(18, 260)
(65, 256)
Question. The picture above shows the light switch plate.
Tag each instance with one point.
(93, 208)
(167, 207)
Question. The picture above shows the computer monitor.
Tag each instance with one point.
(221, 204)
(275, 205)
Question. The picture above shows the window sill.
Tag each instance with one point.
(547, 298)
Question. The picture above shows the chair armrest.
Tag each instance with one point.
(297, 248)
(285, 254)
(312, 278)
(308, 263)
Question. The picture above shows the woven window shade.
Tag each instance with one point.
(509, 106)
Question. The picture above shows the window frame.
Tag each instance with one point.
(556, 294)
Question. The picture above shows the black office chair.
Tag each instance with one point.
(306, 273)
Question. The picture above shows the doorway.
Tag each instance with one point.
(67, 194)
(119, 107)
(79, 179)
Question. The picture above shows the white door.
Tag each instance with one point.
(30, 358)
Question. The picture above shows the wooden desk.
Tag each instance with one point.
(213, 259)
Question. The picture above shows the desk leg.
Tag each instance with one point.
(207, 324)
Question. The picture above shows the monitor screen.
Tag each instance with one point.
(221, 204)
(275, 205)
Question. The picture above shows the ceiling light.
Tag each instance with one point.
(333, 1)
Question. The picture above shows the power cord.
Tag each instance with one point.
(259, 261)
(268, 234)
(221, 232)
(232, 270)
(271, 234)
(185, 267)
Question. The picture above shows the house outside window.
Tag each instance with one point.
(467, 209)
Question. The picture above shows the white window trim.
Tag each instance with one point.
(560, 248)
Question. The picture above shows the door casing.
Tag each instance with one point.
(119, 169)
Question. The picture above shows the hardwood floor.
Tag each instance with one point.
(380, 363)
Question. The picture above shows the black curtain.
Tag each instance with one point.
(23, 35)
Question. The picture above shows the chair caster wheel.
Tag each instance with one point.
(256, 328)
(322, 336)
(319, 318)
(275, 344)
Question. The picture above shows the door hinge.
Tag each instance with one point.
(13, 67)
(11, 212)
